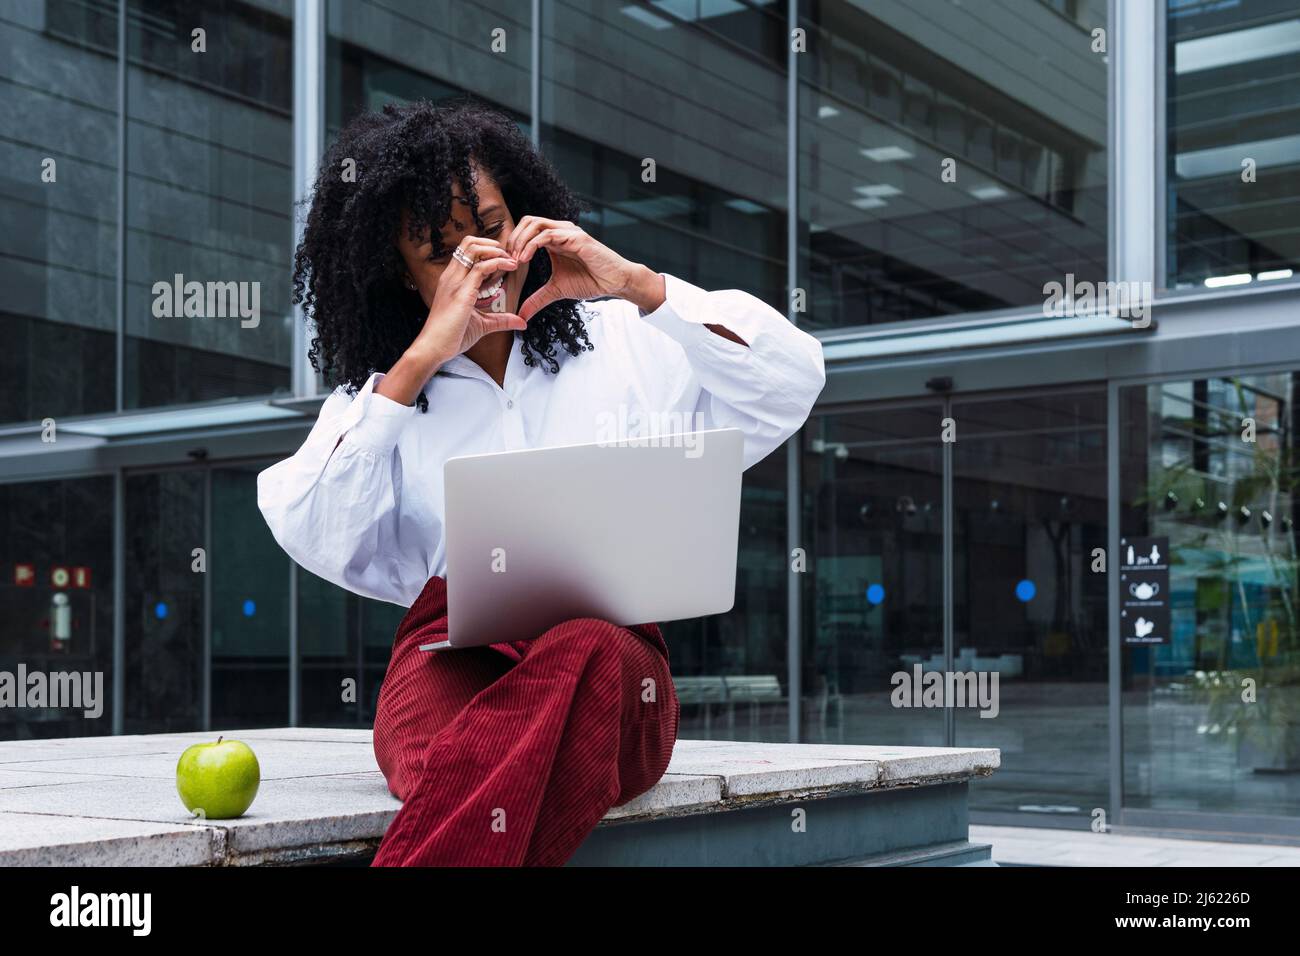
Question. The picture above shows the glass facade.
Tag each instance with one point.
(694, 178)
(1233, 144)
(888, 167)
(1212, 714)
(952, 157)
(873, 602)
(58, 208)
(207, 184)
(56, 538)
(380, 53)
(165, 654)
(1029, 511)
(209, 191)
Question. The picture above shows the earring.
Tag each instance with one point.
(410, 285)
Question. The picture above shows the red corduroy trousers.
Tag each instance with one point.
(510, 754)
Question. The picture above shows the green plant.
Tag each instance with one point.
(1259, 702)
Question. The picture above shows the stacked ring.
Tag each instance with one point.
(459, 255)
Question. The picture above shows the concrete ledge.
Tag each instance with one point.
(111, 801)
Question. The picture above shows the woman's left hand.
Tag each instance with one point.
(581, 267)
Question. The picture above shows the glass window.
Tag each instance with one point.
(1029, 509)
(250, 607)
(56, 597)
(873, 592)
(1233, 146)
(209, 200)
(952, 157)
(58, 208)
(730, 669)
(699, 89)
(164, 602)
(399, 51)
(342, 637)
(1208, 475)
(403, 50)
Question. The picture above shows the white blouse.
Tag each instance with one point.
(367, 512)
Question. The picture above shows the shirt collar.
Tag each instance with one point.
(468, 368)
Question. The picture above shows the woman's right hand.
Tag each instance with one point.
(454, 324)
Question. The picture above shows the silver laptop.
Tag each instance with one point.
(634, 532)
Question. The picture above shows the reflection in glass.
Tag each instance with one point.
(730, 669)
(699, 90)
(1233, 150)
(164, 602)
(1212, 718)
(58, 209)
(952, 157)
(209, 198)
(1029, 513)
(873, 594)
(385, 51)
(46, 526)
(250, 607)
(342, 637)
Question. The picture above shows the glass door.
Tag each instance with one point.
(873, 595)
(1023, 477)
(207, 601)
(164, 647)
(1029, 605)
(1211, 694)
(249, 607)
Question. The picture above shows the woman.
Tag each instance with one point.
(462, 311)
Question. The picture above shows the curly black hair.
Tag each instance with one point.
(347, 269)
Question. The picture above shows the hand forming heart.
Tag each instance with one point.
(581, 267)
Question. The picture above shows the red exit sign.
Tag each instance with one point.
(61, 576)
(69, 577)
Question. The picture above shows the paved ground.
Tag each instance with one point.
(1051, 847)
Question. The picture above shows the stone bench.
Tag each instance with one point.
(112, 801)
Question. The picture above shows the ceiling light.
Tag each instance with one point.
(1218, 282)
(886, 154)
(1274, 274)
(883, 191)
(989, 191)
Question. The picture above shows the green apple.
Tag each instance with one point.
(218, 781)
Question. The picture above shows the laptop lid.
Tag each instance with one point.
(639, 531)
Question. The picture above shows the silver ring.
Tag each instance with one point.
(459, 255)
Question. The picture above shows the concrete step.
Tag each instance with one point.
(113, 801)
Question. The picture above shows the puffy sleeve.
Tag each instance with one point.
(765, 388)
(335, 504)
